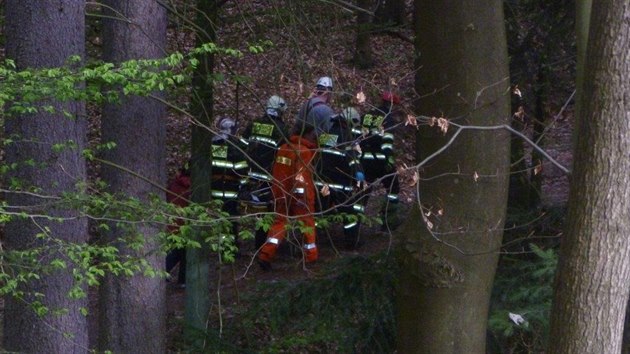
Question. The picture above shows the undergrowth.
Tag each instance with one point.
(349, 308)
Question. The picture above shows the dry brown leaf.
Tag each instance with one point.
(360, 97)
(325, 191)
(442, 123)
(517, 92)
(415, 178)
(411, 120)
(538, 169)
(520, 113)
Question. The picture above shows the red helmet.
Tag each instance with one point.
(389, 96)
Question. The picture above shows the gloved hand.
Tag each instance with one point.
(359, 176)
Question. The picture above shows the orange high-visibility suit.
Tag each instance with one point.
(294, 196)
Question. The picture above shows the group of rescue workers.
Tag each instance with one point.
(323, 164)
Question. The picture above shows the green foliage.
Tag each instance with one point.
(29, 91)
(22, 91)
(349, 308)
(523, 287)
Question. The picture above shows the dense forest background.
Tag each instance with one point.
(356, 301)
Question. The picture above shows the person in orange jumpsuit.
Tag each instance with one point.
(294, 196)
(292, 183)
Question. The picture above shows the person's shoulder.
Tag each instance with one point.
(322, 107)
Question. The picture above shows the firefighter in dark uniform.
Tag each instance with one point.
(262, 138)
(229, 169)
(377, 157)
(340, 176)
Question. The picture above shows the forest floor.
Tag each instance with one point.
(232, 285)
(289, 69)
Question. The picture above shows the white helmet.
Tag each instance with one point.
(325, 83)
(276, 106)
(351, 116)
(226, 127)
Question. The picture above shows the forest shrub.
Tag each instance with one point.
(348, 308)
(523, 289)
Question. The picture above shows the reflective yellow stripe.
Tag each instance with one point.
(367, 156)
(332, 152)
(310, 246)
(358, 207)
(350, 225)
(222, 163)
(264, 140)
(392, 196)
(259, 175)
(283, 160)
(387, 146)
(240, 164)
(223, 194)
(273, 240)
(298, 191)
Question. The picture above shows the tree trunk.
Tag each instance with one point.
(390, 13)
(44, 35)
(198, 260)
(132, 309)
(448, 263)
(593, 273)
(363, 48)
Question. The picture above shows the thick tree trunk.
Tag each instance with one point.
(593, 274)
(42, 35)
(390, 12)
(198, 260)
(448, 263)
(132, 309)
(363, 47)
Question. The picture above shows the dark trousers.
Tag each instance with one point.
(351, 204)
(175, 256)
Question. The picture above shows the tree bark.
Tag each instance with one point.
(198, 260)
(390, 13)
(44, 35)
(132, 309)
(448, 265)
(593, 273)
(363, 46)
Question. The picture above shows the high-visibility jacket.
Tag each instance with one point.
(229, 169)
(338, 161)
(261, 139)
(377, 141)
(338, 165)
(294, 196)
(377, 146)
